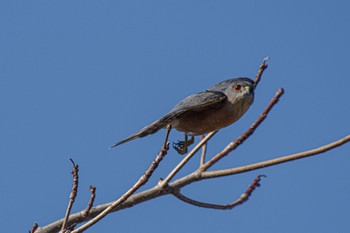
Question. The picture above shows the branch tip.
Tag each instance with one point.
(266, 59)
(34, 228)
(261, 70)
(280, 91)
(72, 196)
(72, 162)
(90, 203)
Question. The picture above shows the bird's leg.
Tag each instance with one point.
(189, 142)
(182, 146)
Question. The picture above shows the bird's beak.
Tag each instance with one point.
(248, 89)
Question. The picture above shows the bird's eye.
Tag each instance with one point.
(237, 87)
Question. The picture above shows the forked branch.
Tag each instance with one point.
(272, 162)
(243, 198)
(143, 179)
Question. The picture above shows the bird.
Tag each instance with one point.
(212, 109)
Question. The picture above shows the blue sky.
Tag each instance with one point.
(77, 76)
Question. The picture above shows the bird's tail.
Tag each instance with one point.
(149, 129)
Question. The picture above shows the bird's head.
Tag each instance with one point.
(236, 89)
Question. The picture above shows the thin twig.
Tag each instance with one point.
(91, 201)
(233, 145)
(143, 179)
(165, 182)
(34, 228)
(204, 152)
(256, 183)
(272, 162)
(73, 194)
(261, 70)
(86, 212)
(243, 198)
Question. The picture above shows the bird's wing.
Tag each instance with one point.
(194, 102)
(200, 100)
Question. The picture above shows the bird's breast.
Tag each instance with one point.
(210, 119)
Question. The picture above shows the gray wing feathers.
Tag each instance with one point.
(201, 100)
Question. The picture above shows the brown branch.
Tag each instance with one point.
(157, 191)
(272, 162)
(243, 198)
(143, 179)
(86, 212)
(34, 228)
(91, 202)
(233, 145)
(73, 194)
(204, 152)
(256, 183)
(186, 159)
(261, 70)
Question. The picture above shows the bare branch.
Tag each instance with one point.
(73, 194)
(243, 198)
(186, 159)
(91, 202)
(157, 191)
(284, 159)
(233, 145)
(261, 70)
(204, 151)
(143, 179)
(86, 212)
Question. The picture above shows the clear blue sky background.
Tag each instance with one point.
(77, 76)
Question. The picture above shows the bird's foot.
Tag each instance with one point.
(182, 146)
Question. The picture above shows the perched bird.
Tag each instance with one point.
(206, 111)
